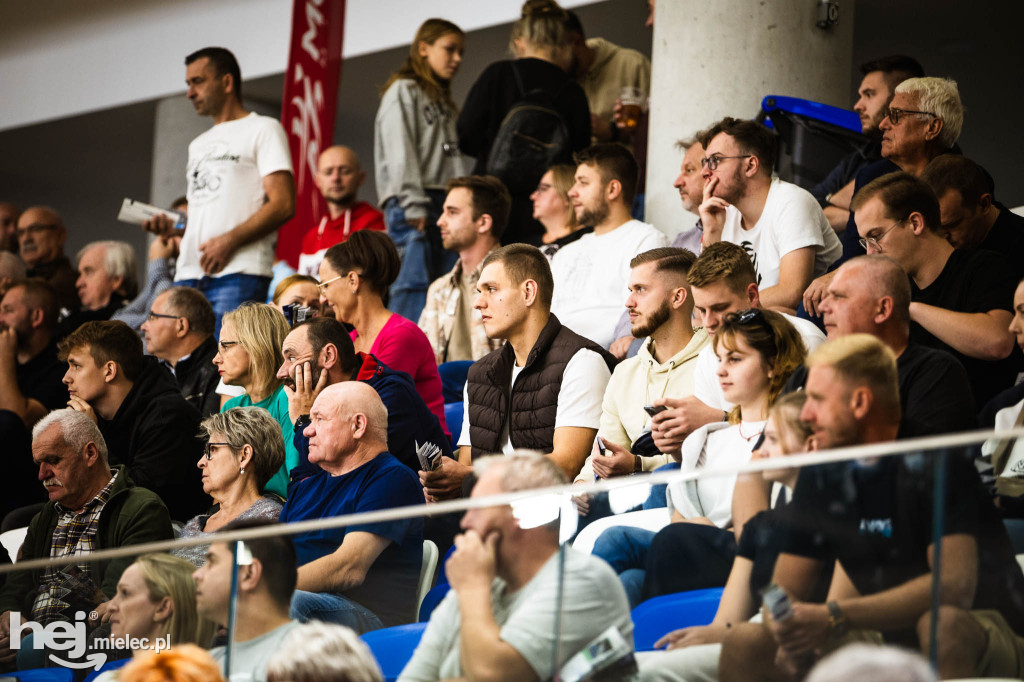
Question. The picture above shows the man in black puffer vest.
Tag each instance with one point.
(541, 391)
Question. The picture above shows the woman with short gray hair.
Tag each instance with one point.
(244, 450)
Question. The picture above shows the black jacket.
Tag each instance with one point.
(197, 377)
(153, 434)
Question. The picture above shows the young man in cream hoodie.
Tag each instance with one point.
(660, 307)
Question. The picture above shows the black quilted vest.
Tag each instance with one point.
(533, 404)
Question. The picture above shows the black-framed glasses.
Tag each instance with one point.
(711, 162)
(876, 242)
(896, 113)
(208, 446)
(225, 346)
(153, 316)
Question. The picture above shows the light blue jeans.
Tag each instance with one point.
(424, 259)
(228, 292)
(333, 608)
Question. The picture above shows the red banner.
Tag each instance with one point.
(308, 110)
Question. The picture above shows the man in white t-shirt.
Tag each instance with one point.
(591, 274)
(542, 390)
(722, 281)
(240, 189)
(781, 226)
(515, 610)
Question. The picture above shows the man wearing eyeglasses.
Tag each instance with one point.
(779, 224)
(41, 236)
(179, 331)
(148, 426)
(961, 301)
(922, 122)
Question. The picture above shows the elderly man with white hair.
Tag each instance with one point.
(503, 619)
(364, 576)
(107, 277)
(923, 122)
(92, 506)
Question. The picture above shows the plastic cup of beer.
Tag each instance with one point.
(633, 102)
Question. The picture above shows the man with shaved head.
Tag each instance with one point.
(339, 176)
(364, 576)
(871, 295)
(41, 236)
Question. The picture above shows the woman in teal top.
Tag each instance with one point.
(248, 355)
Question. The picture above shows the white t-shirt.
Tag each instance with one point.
(591, 276)
(705, 375)
(226, 167)
(579, 397)
(791, 220)
(711, 496)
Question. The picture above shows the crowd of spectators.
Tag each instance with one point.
(423, 346)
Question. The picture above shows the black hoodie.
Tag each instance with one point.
(153, 434)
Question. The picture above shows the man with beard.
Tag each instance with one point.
(660, 308)
(319, 353)
(872, 520)
(590, 275)
(339, 176)
(779, 224)
(473, 219)
(30, 373)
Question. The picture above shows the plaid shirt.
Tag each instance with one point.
(69, 588)
(444, 299)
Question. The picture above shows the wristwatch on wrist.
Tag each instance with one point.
(838, 626)
(638, 464)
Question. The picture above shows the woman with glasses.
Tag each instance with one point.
(354, 278)
(248, 355)
(757, 352)
(551, 206)
(244, 450)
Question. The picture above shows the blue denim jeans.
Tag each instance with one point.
(424, 259)
(625, 549)
(333, 608)
(228, 292)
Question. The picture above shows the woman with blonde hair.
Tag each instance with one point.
(415, 153)
(542, 59)
(553, 208)
(155, 605)
(249, 355)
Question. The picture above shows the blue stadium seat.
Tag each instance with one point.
(453, 378)
(44, 675)
(393, 647)
(658, 616)
(453, 416)
(842, 118)
(433, 598)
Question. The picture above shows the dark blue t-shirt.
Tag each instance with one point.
(389, 589)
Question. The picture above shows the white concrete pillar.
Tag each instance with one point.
(720, 58)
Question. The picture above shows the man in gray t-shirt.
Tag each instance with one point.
(499, 619)
(266, 581)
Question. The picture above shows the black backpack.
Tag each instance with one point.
(532, 137)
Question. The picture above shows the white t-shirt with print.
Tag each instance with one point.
(591, 275)
(705, 374)
(226, 167)
(791, 220)
(579, 397)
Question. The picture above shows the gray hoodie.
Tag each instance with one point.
(415, 147)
